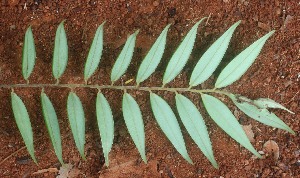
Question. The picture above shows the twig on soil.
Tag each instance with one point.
(207, 19)
(14, 153)
(3, 131)
(42, 171)
(292, 98)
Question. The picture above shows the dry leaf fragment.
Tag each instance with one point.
(67, 171)
(51, 170)
(249, 132)
(64, 171)
(264, 26)
(74, 173)
(286, 21)
(272, 148)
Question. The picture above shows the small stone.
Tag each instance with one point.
(12, 27)
(286, 21)
(278, 11)
(246, 3)
(23, 160)
(199, 172)
(155, 3)
(297, 153)
(271, 147)
(298, 163)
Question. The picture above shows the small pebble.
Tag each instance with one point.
(12, 27)
(297, 153)
(298, 163)
(23, 160)
(155, 3)
(278, 11)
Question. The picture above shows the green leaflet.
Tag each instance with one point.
(95, 53)
(153, 57)
(23, 123)
(168, 123)
(264, 103)
(52, 125)
(105, 124)
(134, 123)
(29, 54)
(239, 65)
(194, 124)
(181, 55)
(261, 115)
(210, 60)
(77, 121)
(60, 55)
(220, 113)
(124, 58)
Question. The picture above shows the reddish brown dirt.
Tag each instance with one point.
(275, 74)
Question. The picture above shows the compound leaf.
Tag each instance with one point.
(210, 60)
(194, 124)
(153, 57)
(260, 114)
(95, 53)
(167, 121)
(264, 103)
(181, 55)
(52, 125)
(134, 123)
(29, 54)
(60, 55)
(220, 113)
(239, 65)
(105, 124)
(77, 121)
(124, 58)
(23, 123)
